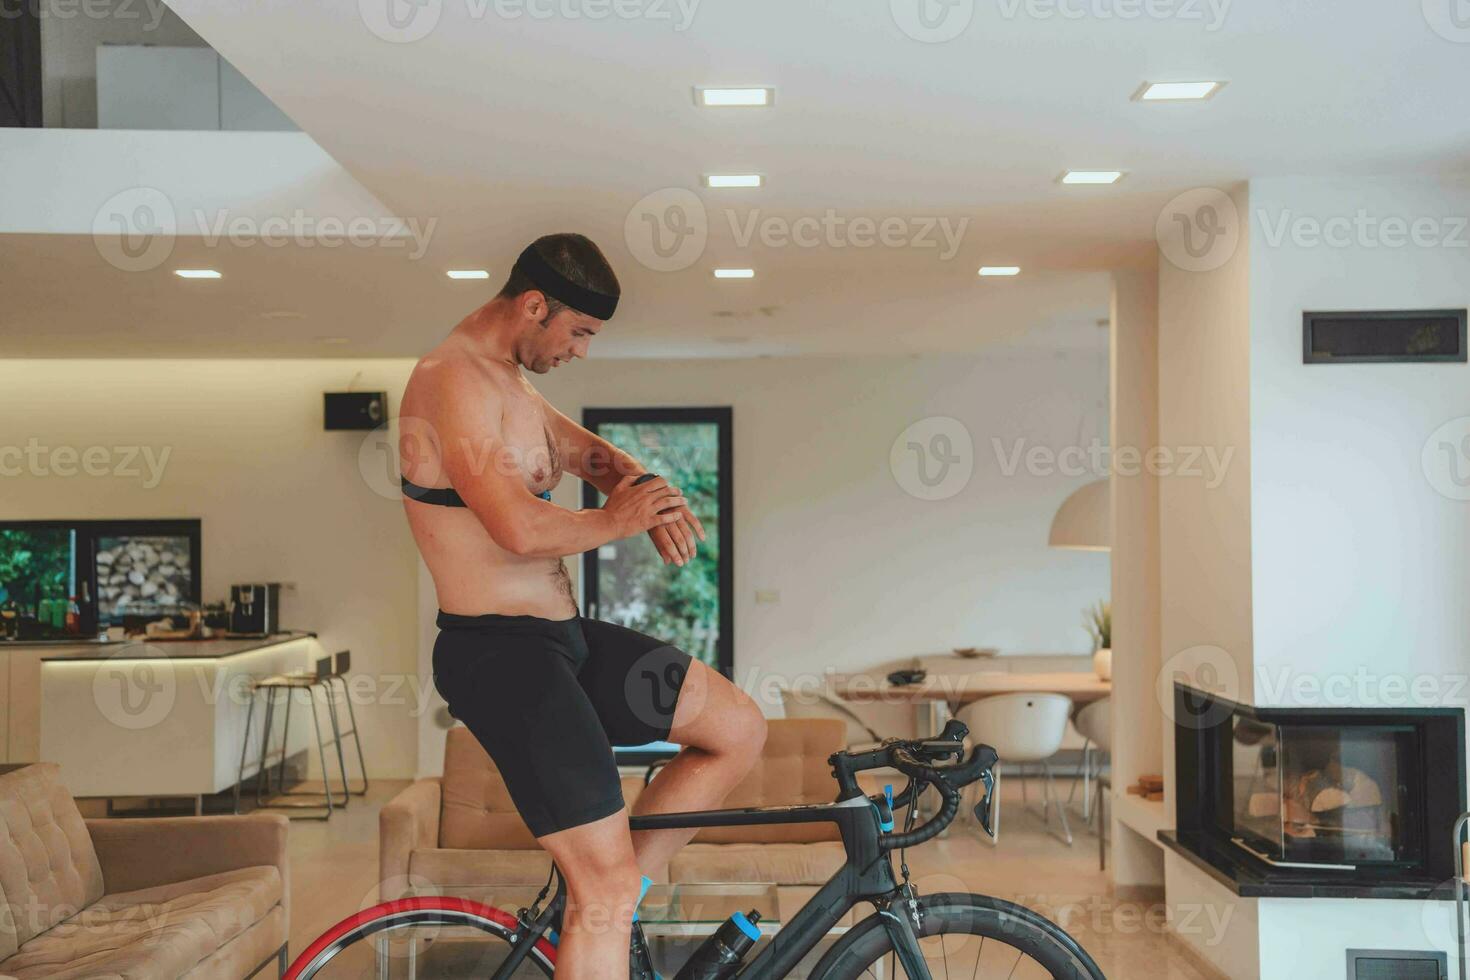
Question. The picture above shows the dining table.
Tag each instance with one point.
(943, 694)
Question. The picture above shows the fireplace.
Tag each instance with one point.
(1306, 801)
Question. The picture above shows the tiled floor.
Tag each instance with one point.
(334, 873)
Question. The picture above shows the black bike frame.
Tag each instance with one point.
(867, 876)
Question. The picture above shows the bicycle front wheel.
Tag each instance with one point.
(969, 936)
(424, 937)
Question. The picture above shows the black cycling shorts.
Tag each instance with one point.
(548, 699)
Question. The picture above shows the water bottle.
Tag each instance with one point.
(719, 956)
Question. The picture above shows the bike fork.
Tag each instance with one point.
(903, 934)
(640, 959)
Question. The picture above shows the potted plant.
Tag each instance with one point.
(1099, 624)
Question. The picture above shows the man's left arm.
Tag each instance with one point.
(591, 458)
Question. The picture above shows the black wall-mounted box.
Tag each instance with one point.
(357, 410)
(1383, 336)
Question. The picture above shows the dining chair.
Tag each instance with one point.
(1024, 729)
(1095, 723)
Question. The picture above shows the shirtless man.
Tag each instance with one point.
(545, 691)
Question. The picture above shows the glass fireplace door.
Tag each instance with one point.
(1327, 795)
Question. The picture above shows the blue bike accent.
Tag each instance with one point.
(642, 890)
(885, 824)
(746, 926)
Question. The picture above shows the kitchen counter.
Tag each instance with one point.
(143, 649)
(161, 718)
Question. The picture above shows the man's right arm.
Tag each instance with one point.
(487, 475)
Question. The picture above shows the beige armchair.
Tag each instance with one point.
(199, 897)
(460, 832)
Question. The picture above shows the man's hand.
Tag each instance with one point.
(646, 506)
(675, 541)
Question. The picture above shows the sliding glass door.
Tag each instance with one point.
(626, 582)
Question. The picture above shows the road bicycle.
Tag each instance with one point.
(908, 935)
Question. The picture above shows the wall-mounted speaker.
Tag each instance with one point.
(1397, 964)
(1360, 336)
(355, 410)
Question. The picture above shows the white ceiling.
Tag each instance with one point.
(502, 129)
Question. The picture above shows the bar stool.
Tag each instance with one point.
(310, 682)
(341, 664)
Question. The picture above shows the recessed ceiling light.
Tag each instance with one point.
(734, 273)
(733, 180)
(468, 274)
(726, 97)
(1092, 176)
(196, 274)
(1000, 270)
(1176, 91)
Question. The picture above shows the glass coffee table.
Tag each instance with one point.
(675, 917)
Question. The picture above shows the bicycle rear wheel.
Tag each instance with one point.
(428, 937)
(965, 936)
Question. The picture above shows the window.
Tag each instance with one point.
(121, 571)
(626, 582)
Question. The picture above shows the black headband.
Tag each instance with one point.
(558, 287)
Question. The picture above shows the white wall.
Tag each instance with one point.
(1360, 565)
(1138, 721)
(1329, 567)
(1204, 403)
(280, 499)
(865, 571)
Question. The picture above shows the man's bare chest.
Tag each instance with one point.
(529, 444)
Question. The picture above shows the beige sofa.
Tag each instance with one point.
(199, 897)
(458, 833)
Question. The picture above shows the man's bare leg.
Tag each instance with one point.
(602, 888)
(722, 731)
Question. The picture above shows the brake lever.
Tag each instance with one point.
(983, 809)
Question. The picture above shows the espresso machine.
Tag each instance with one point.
(255, 609)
